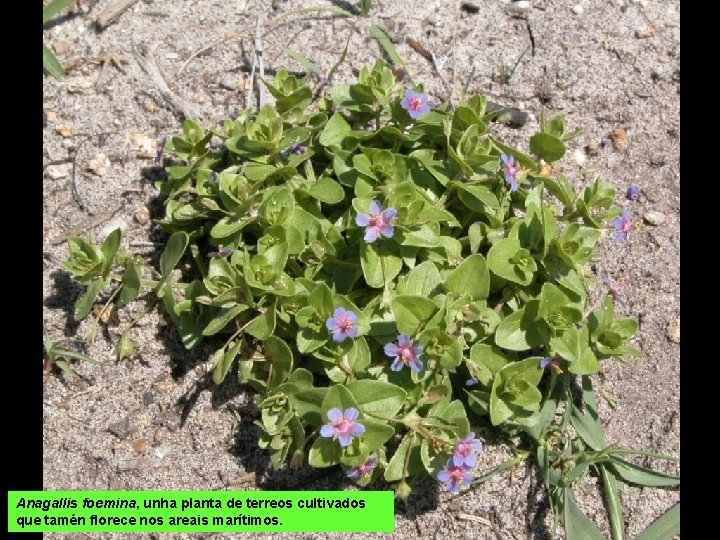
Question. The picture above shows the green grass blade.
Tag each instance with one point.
(635, 474)
(53, 8)
(382, 38)
(664, 527)
(300, 59)
(340, 60)
(577, 525)
(365, 6)
(612, 486)
(51, 64)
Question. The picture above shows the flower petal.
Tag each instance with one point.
(345, 440)
(387, 230)
(443, 475)
(416, 365)
(331, 324)
(391, 350)
(352, 316)
(352, 332)
(351, 413)
(375, 207)
(403, 339)
(397, 365)
(339, 336)
(357, 429)
(362, 220)
(327, 431)
(470, 460)
(334, 415)
(389, 213)
(371, 234)
(340, 312)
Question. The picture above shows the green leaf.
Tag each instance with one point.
(376, 433)
(304, 62)
(125, 348)
(109, 249)
(130, 284)
(335, 131)
(470, 278)
(395, 469)
(338, 396)
(263, 325)
(547, 147)
(663, 528)
(327, 190)
(280, 357)
(54, 8)
(423, 280)
(223, 361)
(84, 303)
(325, 452)
(412, 311)
(308, 405)
(377, 397)
(611, 487)
(222, 320)
(174, 250)
(586, 424)
(642, 476)
(577, 525)
(521, 330)
(379, 264)
(509, 260)
(387, 45)
(51, 64)
(489, 361)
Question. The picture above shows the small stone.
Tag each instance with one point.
(228, 83)
(519, 6)
(58, 171)
(69, 145)
(64, 129)
(51, 116)
(673, 331)
(148, 398)
(592, 149)
(142, 215)
(645, 33)
(579, 157)
(653, 217)
(121, 428)
(469, 7)
(578, 9)
(141, 142)
(162, 450)
(61, 47)
(140, 445)
(619, 139)
(99, 164)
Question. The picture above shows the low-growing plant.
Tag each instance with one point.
(50, 61)
(396, 283)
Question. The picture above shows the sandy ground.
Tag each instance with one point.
(157, 421)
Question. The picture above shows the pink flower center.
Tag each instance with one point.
(377, 221)
(457, 474)
(510, 170)
(625, 226)
(364, 468)
(406, 353)
(343, 426)
(415, 103)
(344, 324)
(463, 449)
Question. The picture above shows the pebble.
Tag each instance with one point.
(148, 398)
(579, 157)
(578, 9)
(64, 129)
(99, 164)
(61, 47)
(58, 171)
(519, 6)
(653, 217)
(645, 33)
(592, 149)
(673, 331)
(142, 215)
(619, 139)
(228, 83)
(140, 445)
(162, 450)
(51, 116)
(121, 428)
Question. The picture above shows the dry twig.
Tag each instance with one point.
(108, 15)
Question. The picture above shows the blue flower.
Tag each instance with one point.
(455, 476)
(342, 324)
(622, 226)
(405, 354)
(510, 167)
(377, 223)
(415, 103)
(465, 450)
(342, 426)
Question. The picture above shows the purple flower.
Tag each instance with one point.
(377, 222)
(160, 150)
(465, 449)
(294, 149)
(622, 226)
(232, 114)
(510, 170)
(405, 354)
(633, 193)
(342, 324)
(472, 381)
(321, 75)
(342, 426)
(415, 103)
(221, 252)
(361, 470)
(551, 362)
(455, 476)
(614, 289)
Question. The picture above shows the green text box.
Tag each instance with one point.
(200, 511)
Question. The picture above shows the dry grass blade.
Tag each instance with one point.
(111, 13)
